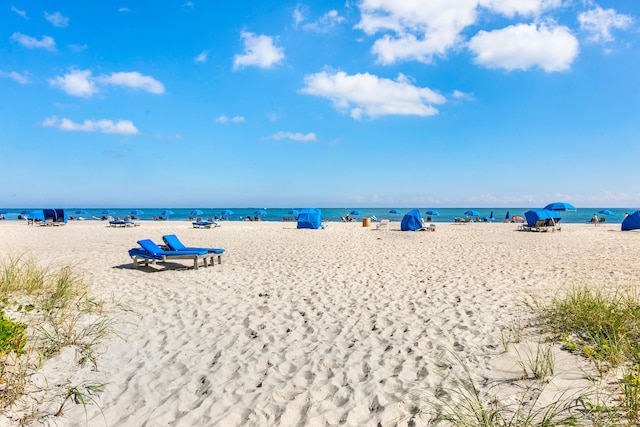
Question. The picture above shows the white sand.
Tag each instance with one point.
(314, 327)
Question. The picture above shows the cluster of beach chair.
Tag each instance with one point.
(173, 249)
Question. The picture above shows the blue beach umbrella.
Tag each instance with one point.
(395, 211)
(25, 212)
(136, 212)
(3, 212)
(260, 212)
(226, 212)
(293, 212)
(355, 212)
(605, 212)
(108, 212)
(472, 213)
(432, 212)
(560, 206)
(196, 212)
(166, 212)
(507, 215)
(81, 212)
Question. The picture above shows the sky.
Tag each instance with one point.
(367, 103)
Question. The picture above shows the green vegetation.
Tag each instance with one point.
(42, 311)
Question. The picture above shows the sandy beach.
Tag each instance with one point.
(343, 326)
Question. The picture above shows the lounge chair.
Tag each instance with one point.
(383, 225)
(122, 223)
(172, 241)
(150, 251)
(205, 224)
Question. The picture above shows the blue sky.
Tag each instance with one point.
(372, 103)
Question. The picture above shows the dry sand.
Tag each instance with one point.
(343, 326)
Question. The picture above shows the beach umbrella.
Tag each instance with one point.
(472, 213)
(108, 212)
(166, 212)
(507, 215)
(226, 212)
(136, 212)
(293, 212)
(432, 212)
(355, 212)
(560, 206)
(395, 211)
(260, 212)
(25, 212)
(81, 212)
(3, 212)
(196, 212)
(605, 212)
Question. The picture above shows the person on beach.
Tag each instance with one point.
(595, 219)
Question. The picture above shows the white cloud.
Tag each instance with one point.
(188, 4)
(297, 136)
(124, 9)
(599, 22)
(81, 82)
(510, 8)
(20, 78)
(121, 127)
(420, 29)
(19, 12)
(31, 42)
(202, 58)
(133, 80)
(299, 15)
(76, 83)
(225, 119)
(457, 94)
(57, 19)
(369, 95)
(522, 47)
(326, 22)
(259, 51)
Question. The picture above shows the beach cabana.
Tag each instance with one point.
(310, 218)
(411, 221)
(540, 220)
(631, 222)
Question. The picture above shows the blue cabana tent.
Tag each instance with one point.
(411, 221)
(631, 222)
(310, 218)
(551, 218)
(55, 215)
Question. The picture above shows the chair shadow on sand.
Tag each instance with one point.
(155, 268)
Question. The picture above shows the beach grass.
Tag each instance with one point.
(43, 310)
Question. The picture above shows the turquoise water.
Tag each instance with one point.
(582, 215)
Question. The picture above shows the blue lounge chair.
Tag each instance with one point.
(175, 244)
(150, 251)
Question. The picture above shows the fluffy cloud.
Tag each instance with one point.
(259, 51)
(420, 29)
(20, 78)
(297, 136)
(121, 127)
(599, 23)
(45, 42)
(82, 83)
(202, 58)
(369, 95)
(133, 80)
(76, 83)
(522, 47)
(57, 19)
(225, 119)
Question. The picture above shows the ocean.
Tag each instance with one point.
(582, 215)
